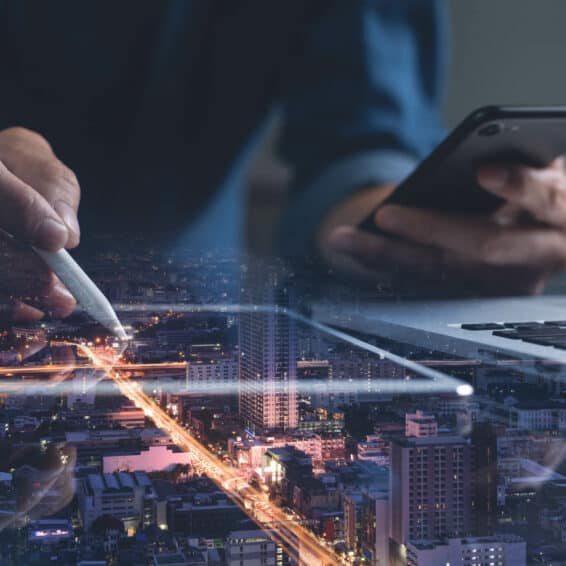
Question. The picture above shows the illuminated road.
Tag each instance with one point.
(299, 541)
(157, 366)
(61, 368)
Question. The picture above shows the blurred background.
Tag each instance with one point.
(500, 52)
(505, 52)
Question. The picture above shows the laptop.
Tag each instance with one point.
(525, 328)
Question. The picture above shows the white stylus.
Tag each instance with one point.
(83, 288)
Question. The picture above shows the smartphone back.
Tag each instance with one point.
(446, 180)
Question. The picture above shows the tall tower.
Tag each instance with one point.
(268, 358)
(431, 488)
(484, 441)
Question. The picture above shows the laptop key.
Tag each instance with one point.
(507, 334)
(524, 333)
(482, 326)
(542, 332)
(555, 322)
(541, 341)
(523, 325)
(555, 343)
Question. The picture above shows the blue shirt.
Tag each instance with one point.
(154, 103)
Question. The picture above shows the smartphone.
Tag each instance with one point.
(446, 179)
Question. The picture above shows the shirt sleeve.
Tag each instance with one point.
(361, 105)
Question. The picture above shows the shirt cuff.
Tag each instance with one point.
(308, 205)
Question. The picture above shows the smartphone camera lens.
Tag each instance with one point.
(490, 130)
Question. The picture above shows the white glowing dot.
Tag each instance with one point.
(465, 390)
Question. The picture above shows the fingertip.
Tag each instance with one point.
(343, 231)
(22, 312)
(492, 177)
(342, 238)
(73, 241)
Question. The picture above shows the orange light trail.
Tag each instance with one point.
(59, 368)
(309, 550)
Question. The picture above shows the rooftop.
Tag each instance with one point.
(430, 441)
(121, 481)
(250, 535)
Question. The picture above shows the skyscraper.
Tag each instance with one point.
(420, 424)
(268, 360)
(314, 377)
(484, 441)
(375, 527)
(432, 488)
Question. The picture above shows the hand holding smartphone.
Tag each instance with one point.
(447, 179)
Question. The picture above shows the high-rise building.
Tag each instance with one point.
(432, 488)
(420, 424)
(484, 442)
(375, 449)
(352, 504)
(215, 376)
(83, 388)
(357, 376)
(503, 550)
(253, 547)
(268, 360)
(121, 495)
(376, 528)
(314, 378)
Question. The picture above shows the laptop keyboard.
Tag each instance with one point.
(547, 333)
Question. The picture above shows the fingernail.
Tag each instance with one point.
(493, 177)
(50, 235)
(341, 240)
(69, 217)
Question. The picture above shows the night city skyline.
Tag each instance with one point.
(235, 431)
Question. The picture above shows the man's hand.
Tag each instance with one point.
(40, 197)
(513, 251)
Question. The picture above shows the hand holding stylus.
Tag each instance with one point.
(39, 199)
